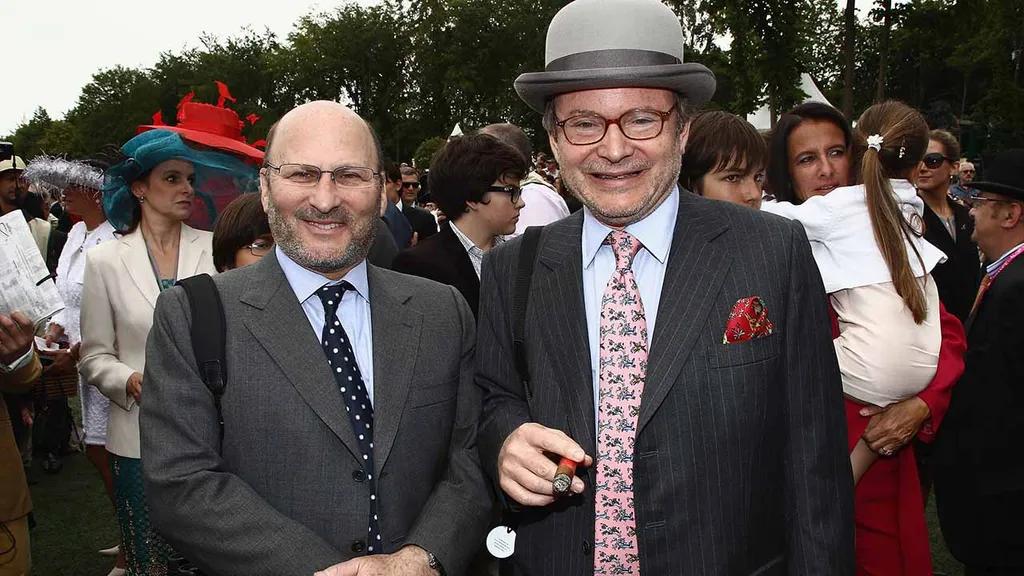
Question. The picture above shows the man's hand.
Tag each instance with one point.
(63, 363)
(16, 334)
(409, 561)
(525, 470)
(134, 386)
(893, 427)
(415, 239)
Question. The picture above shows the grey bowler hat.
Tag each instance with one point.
(615, 44)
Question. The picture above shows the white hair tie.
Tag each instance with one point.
(875, 142)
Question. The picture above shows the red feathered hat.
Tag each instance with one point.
(209, 125)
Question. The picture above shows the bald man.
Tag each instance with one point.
(349, 413)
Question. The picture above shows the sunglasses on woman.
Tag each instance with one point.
(934, 160)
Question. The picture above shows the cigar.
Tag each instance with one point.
(563, 476)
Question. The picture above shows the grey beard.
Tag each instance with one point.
(283, 230)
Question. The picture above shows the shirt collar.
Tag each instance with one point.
(467, 242)
(991, 268)
(654, 232)
(305, 282)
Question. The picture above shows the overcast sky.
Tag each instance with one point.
(51, 48)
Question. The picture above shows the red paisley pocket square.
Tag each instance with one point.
(747, 321)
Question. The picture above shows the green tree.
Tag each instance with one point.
(112, 105)
(28, 137)
(426, 150)
(62, 139)
(356, 55)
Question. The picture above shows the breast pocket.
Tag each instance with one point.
(424, 396)
(743, 353)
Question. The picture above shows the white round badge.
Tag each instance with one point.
(501, 542)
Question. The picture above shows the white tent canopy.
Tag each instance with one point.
(456, 132)
(762, 117)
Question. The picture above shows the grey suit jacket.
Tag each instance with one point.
(285, 494)
(741, 463)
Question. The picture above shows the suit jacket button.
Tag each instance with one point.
(358, 546)
(586, 546)
(358, 475)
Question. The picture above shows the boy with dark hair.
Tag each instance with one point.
(475, 182)
(725, 159)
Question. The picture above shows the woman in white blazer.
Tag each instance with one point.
(147, 198)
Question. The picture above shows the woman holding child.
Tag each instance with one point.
(876, 267)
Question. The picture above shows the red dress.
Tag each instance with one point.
(892, 536)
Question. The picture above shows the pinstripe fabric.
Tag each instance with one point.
(741, 462)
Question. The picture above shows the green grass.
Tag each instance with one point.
(942, 560)
(74, 519)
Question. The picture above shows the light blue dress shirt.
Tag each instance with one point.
(655, 234)
(353, 312)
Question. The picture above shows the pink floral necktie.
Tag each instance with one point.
(623, 368)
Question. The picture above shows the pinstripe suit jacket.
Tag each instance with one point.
(741, 463)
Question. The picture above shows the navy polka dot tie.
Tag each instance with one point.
(342, 359)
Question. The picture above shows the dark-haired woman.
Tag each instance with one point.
(876, 267)
(147, 198)
(810, 156)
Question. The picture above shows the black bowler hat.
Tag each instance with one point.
(1004, 175)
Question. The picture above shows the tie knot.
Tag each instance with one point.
(625, 246)
(330, 295)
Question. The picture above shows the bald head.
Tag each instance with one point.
(511, 135)
(328, 123)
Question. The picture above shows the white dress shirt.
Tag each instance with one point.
(476, 255)
(991, 268)
(353, 312)
(542, 204)
(655, 234)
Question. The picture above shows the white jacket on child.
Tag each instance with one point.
(837, 225)
(884, 356)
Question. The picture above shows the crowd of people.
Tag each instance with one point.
(456, 371)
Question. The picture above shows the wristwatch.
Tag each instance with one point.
(434, 564)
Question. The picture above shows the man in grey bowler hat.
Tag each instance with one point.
(678, 348)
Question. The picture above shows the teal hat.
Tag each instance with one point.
(215, 173)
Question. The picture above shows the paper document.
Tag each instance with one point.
(25, 283)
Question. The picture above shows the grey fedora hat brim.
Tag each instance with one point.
(693, 80)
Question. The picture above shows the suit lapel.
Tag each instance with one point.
(464, 270)
(136, 260)
(190, 253)
(275, 318)
(395, 327)
(558, 291)
(696, 269)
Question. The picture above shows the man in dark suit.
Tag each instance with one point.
(979, 475)
(713, 444)
(398, 224)
(476, 183)
(349, 412)
(423, 223)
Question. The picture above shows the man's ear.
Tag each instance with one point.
(264, 190)
(684, 137)
(1014, 215)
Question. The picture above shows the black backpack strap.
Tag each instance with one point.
(208, 335)
(521, 296)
